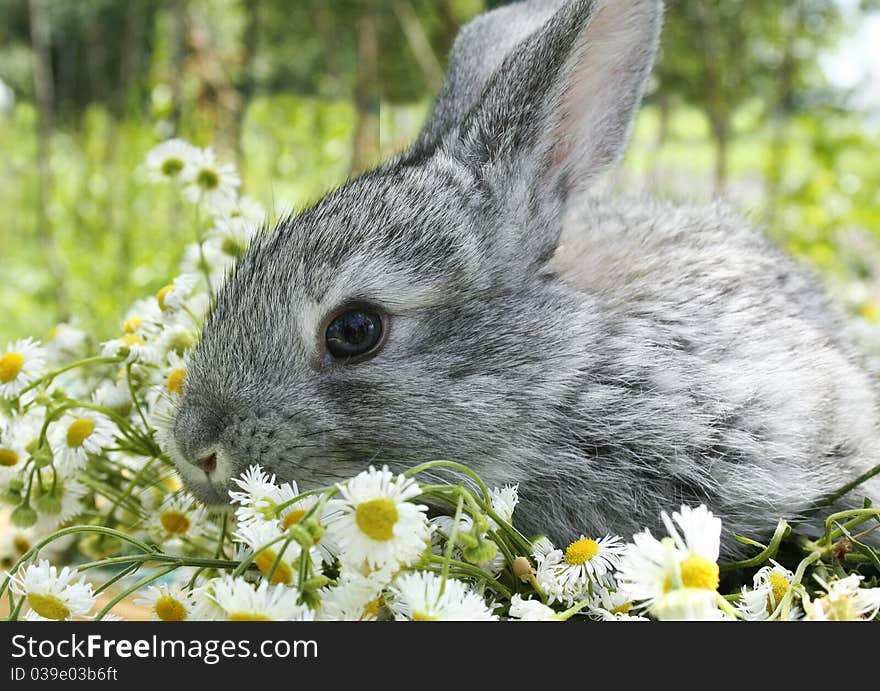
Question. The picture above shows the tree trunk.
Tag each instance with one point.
(44, 91)
(366, 93)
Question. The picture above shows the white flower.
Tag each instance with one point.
(113, 394)
(258, 534)
(651, 568)
(209, 258)
(376, 522)
(531, 610)
(176, 339)
(143, 319)
(172, 297)
(14, 541)
(176, 518)
(240, 601)
(844, 601)
(167, 603)
(687, 604)
(257, 488)
(504, 501)
(610, 604)
(423, 596)
(569, 576)
(250, 210)
(354, 598)
(64, 340)
(20, 365)
(51, 594)
(212, 183)
(234, 235)
(14, 437)
(138, 350)
(77, 434)
(57, 498)
(770, 584)
(171, 160)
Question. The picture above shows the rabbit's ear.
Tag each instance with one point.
(480, 48)
(559, 109)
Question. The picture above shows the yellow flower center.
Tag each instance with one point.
(53, 333)
(8, 458)
(171, 167)
(131, 325)
(172, 483)
(264, 561)
(162, 296)
(79, 431)
(581, 551)
(292, 518)
(779, 587)
(132, 340)
(371, 609)
(48, 606)
(698, 572)
(170, 609)
(175, 381)
(208, 179)
(422, 616)
(10, 366)
(622, 609)
(376, 518)
(248, 616)
(21, 544)
(175, 522)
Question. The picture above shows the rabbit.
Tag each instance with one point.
(475, 299)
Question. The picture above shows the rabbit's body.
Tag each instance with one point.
(613, 357)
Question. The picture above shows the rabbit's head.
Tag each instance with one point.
(409, 316)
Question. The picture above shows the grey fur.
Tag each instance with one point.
(615, 357)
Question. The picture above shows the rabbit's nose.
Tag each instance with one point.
(197, 431)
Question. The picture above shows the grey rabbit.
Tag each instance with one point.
(474, 299)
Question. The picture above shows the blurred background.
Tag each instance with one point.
(775, 105)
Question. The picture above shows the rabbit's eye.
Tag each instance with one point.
(354, 333)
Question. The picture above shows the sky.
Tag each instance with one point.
(856, 63)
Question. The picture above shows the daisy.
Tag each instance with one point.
(377, 525)
(57, 499)
(423, 596)
(504, 501)
(353, 598)
(64, 340)
(172, 297)
(175, 339)
(256, 535)
(13, 453)
(844, 601)
(234, 235)
(51, 594)
(207, 258)
(171, 160)
(14, 543)
(176, 518)
(77, 434)
(769, 585)
(612, 604)
(136, 349)
(531, 610)
(113, 394)
(212, 183)
(250, 210)
(143, 318)
(20, 365)
(238, 600)
(687, 604)
(569, 576)
(651, 567)
(167, 602)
